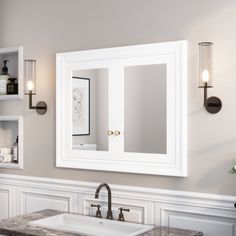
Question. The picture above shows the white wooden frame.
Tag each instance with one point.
(174, 55)
(20, 51)
(20, 163)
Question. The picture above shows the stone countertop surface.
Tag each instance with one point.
(18, 226)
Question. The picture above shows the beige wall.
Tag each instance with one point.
(45, 27)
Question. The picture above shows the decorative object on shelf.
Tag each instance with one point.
(9, 154)
(6, 154)
(15, 151)
(5, 150)
(212, 104)
(11, 142)
(15, 56)
(6, 158)
(81, 106)
(4, 79)
(30, 86)
(12, 86)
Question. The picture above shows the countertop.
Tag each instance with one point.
(18, 226)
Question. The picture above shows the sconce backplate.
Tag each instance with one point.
(213, 105)
(41, 108)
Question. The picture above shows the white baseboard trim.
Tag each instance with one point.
(213, 214)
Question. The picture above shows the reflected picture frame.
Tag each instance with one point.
(80, 106)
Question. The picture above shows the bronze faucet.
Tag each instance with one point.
(109, 211)
(121, 215)
(98, 212)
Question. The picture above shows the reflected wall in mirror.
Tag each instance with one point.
(90, 109)
(145, 108)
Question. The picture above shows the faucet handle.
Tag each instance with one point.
(121, 215)
(98, 212)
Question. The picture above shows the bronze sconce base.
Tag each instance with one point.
(41, 108)
(213, 105)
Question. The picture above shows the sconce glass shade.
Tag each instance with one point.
(205, 64)
(30, 76)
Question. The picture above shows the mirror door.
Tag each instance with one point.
(90, 109)
(145, 118)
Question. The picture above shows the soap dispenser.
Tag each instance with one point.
(4, 79)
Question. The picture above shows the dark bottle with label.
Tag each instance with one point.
(12, 86)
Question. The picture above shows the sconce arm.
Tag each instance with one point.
(41, 107)
(30, 101)
(205, 96)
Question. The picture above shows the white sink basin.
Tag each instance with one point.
(90, 225)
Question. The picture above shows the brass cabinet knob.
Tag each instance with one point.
(110, 132)
(117, 133)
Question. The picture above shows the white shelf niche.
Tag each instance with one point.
(15, 69)
(10, 128)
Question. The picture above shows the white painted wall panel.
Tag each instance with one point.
(4, 204)
(214, 215)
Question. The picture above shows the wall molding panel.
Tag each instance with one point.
(32, 199)
(214, 215)
(7, 201)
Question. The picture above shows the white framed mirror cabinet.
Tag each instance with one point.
(123, 109)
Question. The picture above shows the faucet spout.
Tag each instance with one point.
(109, 211)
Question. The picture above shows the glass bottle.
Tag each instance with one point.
(12, 86)
(15, 151)
(4, 79)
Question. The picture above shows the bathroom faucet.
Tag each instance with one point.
(109, 211)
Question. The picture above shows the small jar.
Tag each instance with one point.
(12, 86)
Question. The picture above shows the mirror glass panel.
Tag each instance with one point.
(90, 109)
(145, 109)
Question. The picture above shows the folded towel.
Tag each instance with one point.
(5, 150)
(6, 158)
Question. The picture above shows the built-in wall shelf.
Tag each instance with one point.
(11, 127)
(15, 65)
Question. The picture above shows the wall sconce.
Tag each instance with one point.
(30, 86)
(212, 104)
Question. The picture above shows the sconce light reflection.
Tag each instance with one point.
(212, 104)
(30, 86)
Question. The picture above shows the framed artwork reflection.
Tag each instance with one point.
(80, 106)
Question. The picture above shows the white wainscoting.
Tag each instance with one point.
(214, 215)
